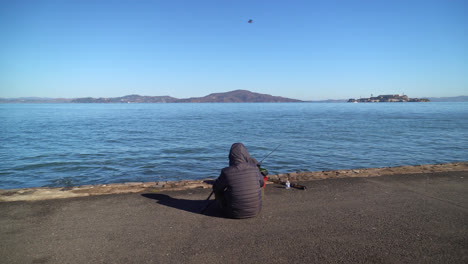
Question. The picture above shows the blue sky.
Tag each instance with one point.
(308, 50)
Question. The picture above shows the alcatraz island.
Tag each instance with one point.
(388, 98)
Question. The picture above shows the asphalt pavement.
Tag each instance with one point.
(420, 218)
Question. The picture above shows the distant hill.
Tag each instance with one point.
(237, 96)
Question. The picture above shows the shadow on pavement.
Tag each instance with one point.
(209, 207)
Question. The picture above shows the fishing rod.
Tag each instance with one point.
(260, 163)
(203, 209)
(264, 171)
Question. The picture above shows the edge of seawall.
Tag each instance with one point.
(46, 193)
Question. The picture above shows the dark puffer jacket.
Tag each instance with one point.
(240, 184)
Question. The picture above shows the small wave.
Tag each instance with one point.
(46, 165)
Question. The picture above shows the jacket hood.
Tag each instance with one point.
(238, 154)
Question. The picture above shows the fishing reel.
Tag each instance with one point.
(263, 171)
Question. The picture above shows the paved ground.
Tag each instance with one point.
(390, 219)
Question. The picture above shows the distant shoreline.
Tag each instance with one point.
(237, 96)
(53, 101)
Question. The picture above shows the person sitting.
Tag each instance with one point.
(238, 189)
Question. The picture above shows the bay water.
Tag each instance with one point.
(79, 144)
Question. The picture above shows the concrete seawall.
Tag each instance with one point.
(45, 193)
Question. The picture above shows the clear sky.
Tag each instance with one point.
(308, 50)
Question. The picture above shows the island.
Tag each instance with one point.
(388, 98)
(236, 96)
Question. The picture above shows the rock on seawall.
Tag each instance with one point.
(45, 193)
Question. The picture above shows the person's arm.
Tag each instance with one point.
(261, 179)
(260, 173)
(220, 184)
